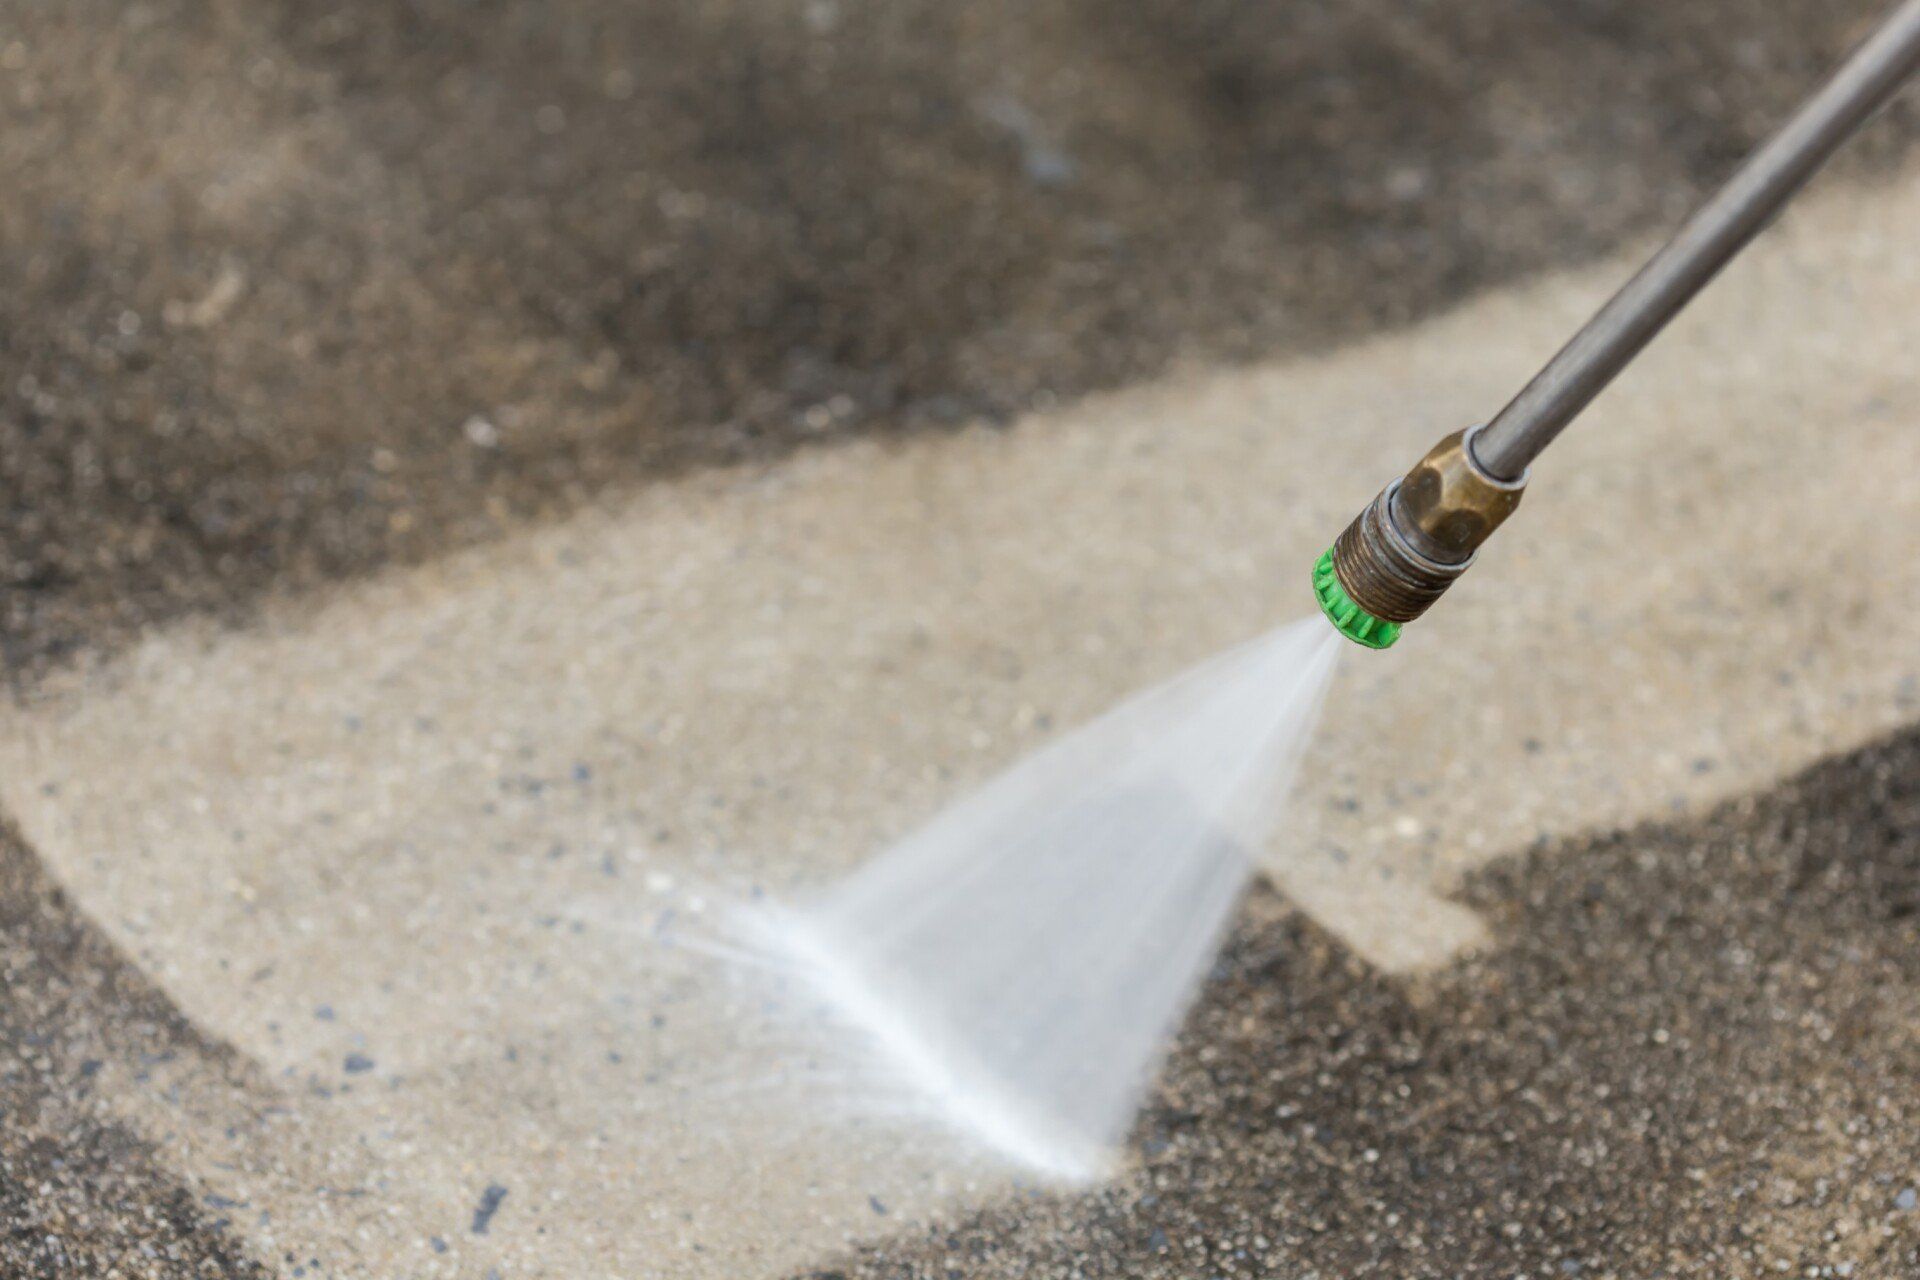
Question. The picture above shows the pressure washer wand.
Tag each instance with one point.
(1410, 543)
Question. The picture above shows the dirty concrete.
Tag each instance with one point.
(82, 1192)
(502, 768)
(1690, 1052)
(288, 295)
(289, 292)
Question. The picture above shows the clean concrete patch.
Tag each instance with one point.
(412, 847)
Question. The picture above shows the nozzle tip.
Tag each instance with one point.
(1348, 618)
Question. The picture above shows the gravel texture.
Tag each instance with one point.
(1691, 1053)
(289, 291)
(80, 1195)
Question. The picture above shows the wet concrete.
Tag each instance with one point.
(82, 1193)
(450, 805)
(288, 295)
(1689, 1053)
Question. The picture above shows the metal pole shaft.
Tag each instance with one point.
(1720, 229)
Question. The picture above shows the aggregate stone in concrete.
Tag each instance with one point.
(1690, 1053)
(465, 808)
(291, 290)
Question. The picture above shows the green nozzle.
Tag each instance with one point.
(1348, 618)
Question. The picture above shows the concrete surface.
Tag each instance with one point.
(447, 805)
(1691, 1055)
(290, 291)
(82, 1190)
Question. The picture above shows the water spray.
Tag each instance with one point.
(1023, 957)
(1422, 532)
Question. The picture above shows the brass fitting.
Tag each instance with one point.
(1410, 543)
